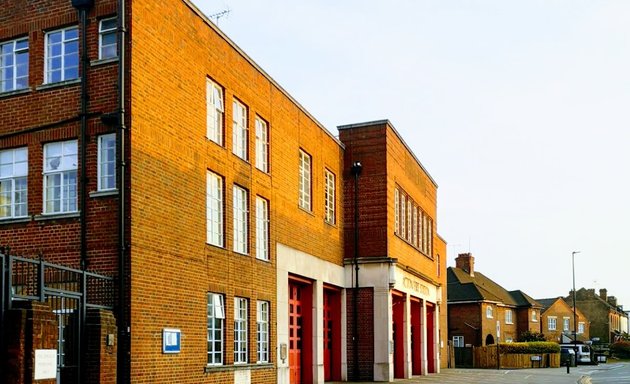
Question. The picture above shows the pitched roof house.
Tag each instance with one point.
(557, 323)
(481, 312)
(607, 318)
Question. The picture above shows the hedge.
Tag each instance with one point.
(620, 349)
(533, 347)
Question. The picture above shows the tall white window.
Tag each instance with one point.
(107, 38)
(580, 329)
(534, 316)
(62, 55)
(240, 330)
(396, 211)
(262, 145)
(508, 312)
(262, 228)
(409, 218)
(60, 177)
(13, 187)
(414, 222)
(565, 323)
(329, 197)
(107, 162)
(240, 219)
(214, 209)
(430, 237)
(262, 332)
(14, 65)
(305, 181)
(239, 130)
(216, 319)
(489, 312)
(458, 341)
(403, 216)
(214, 112)
(551, 323)
(425, 234)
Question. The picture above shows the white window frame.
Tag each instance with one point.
(48, 59)
(240, 206)
(458, 341)
(489, 312)
(552, 323)
(262, 331)
(106, 147)
(215, 328)
(403, 215)
(214, 112)
(581, 327)
(566, 323)
(240, 133)
(14, 183)
(508, 314)
(102, 32)
(304, 186)
(262, 228)
(534, 316)
(396, 211)
(262, 145)
(330, 195)
(414, 222)
(214, 209)
(240, 330)
(65, 166)
(409, 221)
(16, 49)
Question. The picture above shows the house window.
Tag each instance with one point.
(262, 332)
(566, 323)
(508, 314)
(429, 237)
(458, 341)
(262, 145)
(240, 205)
(107, 162)
(403, 216)
(414, 221)
(409, 219)
(13, 187)
(305, 181)
(425, 234)
(580, 329)
(262, 229)
(107, 38)
(329, 196)
(62, 55)
(214, 209)
(216, 318)
(214, 112)
(534, 316)
(14, 65)
(240, 330)
(239, 130)
(60, 177)
(551, 323)
(396, 211)
(489, 312)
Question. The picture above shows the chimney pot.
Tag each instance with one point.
(466, 262)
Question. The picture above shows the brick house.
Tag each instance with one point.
(151, 149)
(607, 318)
(557, 323)
(480, 311)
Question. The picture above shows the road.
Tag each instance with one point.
(618, 373)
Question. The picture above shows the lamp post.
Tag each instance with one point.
(356, 171)
(574, 313)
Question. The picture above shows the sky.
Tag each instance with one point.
(520, 110)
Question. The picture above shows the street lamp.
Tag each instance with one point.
(574, 314)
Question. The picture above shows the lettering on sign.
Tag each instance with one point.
(415, 286)
(45, 364)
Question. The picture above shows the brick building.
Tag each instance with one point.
(557, 321)
(607, 318)
(481, 312)
(152, 150)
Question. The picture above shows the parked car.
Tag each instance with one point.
(583, 352)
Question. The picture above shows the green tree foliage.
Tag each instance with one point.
(534, 347)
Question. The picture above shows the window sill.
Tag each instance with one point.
(16, 92)
(236, 367)
(96, 63)
(58, 84)
(55, 216)
(15, 220)
(112, 192)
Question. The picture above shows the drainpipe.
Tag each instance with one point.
(356, 171)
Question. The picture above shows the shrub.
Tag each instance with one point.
(531, 336)
(534, 347)
(620, 349)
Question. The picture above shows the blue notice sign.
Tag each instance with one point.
(171, 340)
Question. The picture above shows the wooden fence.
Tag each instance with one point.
(486, 357)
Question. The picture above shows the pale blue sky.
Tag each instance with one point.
(518, 109)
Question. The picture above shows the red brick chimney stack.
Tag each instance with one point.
(603, 294)
(466, 262)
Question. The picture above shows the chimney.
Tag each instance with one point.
(466, 262)
(603, 294)
(612, 300)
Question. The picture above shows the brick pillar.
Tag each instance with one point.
(29, 326)
(100, 357)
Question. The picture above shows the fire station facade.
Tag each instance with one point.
(245, 242)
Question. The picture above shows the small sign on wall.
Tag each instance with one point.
(171, 340)
(45, 364)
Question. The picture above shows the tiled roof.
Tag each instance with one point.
(546, 303)
(524, 300)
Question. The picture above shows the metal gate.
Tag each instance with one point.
(69, 293)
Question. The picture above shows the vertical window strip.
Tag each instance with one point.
(214, 209)
(13, 186)
(409, 217)
(216, 317)
(305, 181)
(14, 65)
(239, 132)
(214, 112)
(262, 229)
(107, 162)
(262, 145)
(240, 330)
(240, 205)
(107, 38)
(403, 217)
(330, 197)
(396, 211)
(262, 330)
(414, 221)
